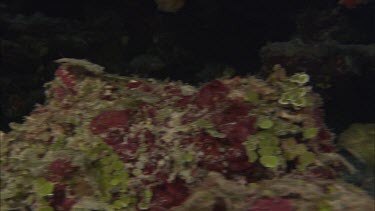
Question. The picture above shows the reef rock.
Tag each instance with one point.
(106, 142)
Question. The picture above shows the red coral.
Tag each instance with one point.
(149, 137)
(172, 90)
(126, 150)
(58, 195)
(235, 123)
(59, 200)
(66, 76)
(68, 204)
(235, 111)
(126, 147)
(220, 156)
(59, 93)
(110, 119)
(184, 101)
(237, 132)
(237, 159)
(238, 166)
(214, 163)
(272, 204)
(212, 158)
(114, 138)
(150, 112)
(236, 153)
(211, 93)
(325, 138)
(149, 168)
(169, 195)
(60, 169)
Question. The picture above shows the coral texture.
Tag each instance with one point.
(359, 140)
(105, 142)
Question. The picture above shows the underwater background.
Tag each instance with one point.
(196, 42)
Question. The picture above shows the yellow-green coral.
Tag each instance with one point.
(268, 145)
(359, 140)
(295, 91)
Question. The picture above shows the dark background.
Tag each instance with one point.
(203, 40)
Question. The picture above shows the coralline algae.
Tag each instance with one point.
(105, 142)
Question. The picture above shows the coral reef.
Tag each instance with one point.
(341, 74)
(359, 140)
(129, 37)
(287, 193)
(107, 142)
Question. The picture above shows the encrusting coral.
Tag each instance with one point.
(105, 142)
